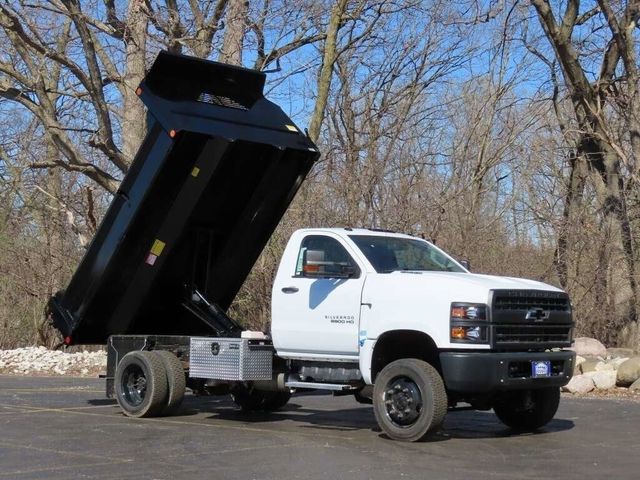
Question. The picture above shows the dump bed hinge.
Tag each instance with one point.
(211, 314)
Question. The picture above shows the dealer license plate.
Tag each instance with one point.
(540, 368)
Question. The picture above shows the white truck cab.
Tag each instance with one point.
(366, 299)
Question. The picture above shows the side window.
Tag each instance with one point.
(329, 249)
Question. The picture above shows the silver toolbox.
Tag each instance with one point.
(230, 358)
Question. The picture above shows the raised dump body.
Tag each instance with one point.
(216, 171)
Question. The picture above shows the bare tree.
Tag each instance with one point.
(598, 155)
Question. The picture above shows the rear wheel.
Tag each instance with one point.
(141, 384)
(527, 410)
(248, 398)
(409, 399)
(274, 401)
(176, 382)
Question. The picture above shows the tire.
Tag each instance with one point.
(248, 398)
(176, 382)
(141, 384)
(409, 400)
(274, 401)
(527, 410)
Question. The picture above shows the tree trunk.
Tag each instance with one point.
(235, 27)
(330, 55)
(133, 113)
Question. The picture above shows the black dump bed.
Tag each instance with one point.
(216, 171)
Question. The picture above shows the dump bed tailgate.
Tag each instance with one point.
(215, 173)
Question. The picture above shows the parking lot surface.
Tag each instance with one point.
(64, 428)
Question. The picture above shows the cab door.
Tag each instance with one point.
(316, 313)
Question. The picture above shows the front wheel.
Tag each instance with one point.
(409, 399)
(527, 410)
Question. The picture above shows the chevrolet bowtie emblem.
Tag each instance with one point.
(537, 315)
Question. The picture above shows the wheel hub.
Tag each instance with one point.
(403, 401)
(134, 385)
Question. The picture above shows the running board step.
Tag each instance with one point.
(321, 386)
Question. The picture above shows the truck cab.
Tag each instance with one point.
(365, 298)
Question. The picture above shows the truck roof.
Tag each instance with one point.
(355, 231)
(217, 169)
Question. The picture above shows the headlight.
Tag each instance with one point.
(469, 311)
(466, 321)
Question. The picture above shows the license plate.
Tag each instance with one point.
(540, 368)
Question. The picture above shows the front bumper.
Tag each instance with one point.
(485, 372)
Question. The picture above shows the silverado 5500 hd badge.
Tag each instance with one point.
(348, 319)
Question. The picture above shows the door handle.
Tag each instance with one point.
(289, 289)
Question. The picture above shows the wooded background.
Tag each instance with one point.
(507, 132)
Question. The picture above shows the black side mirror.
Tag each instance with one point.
(314, 266)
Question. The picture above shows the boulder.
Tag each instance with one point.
(579, 384)
(604, 367)
(604, 379)
(589, 365)
(580, 360)
(616, 362)
(620, 352)
(628, 372)
(635, 386)
(589, 347)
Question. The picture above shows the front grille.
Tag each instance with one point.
(530, 319)
(542, 335)
(528, 299)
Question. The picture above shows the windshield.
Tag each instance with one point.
(388, 254)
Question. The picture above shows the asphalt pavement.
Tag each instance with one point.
(64, 428)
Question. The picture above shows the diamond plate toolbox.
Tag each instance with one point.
(230, 358)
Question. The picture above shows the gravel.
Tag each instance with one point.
(41, 361)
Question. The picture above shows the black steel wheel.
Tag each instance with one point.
(141, 384)
(527, 410)
(409, 399)
(176, 382)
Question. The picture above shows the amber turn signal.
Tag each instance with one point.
(458, 333)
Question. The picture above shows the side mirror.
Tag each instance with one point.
(314, 266)
(466, 264)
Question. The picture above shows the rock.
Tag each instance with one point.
(589, 365)
(620, 352)
(580, 360)
(589, 347)
(579, 384)
(635, 386)
(629, 372)
(604, 379)
(604, 367)
(616, 362)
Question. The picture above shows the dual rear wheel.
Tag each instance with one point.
(150, 384)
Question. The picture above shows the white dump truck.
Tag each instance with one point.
(388, 318)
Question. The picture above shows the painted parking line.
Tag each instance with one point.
(105, 460)
(167, 421)
(50, 390)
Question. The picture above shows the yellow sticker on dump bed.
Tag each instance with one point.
(157, 247)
